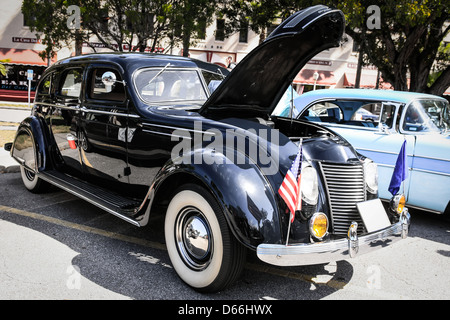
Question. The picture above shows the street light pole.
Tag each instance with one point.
(315, 77)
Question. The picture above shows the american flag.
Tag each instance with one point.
(290, 188)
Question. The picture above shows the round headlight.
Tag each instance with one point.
(318, 225)
(371, 175)
(309, 185)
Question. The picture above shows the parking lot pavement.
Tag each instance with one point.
(45, 270)
(56, 246)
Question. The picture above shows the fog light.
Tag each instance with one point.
(398, 203)
(318, 225)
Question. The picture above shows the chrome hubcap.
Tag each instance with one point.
(194, 239)
(29, 174)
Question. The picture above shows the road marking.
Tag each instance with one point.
(155, 245)
(76, 226)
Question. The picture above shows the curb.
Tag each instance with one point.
(7, 164)
(10, 169)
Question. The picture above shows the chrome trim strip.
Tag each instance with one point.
(431, 172)
(323, 252)
(52, 181)
(409, 155)
(84, 109)
(175, 128)
(431, 158)
(378, 151)
(318, 17)
(440, 173)
(167, 134)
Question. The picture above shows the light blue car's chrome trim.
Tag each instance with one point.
(432, 172)
(421, 163)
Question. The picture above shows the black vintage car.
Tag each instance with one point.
(137, 134)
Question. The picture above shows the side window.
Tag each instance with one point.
(71, 83)
(387, 115)
(101, 91)
(323, 112)
(45, 85)
(212, 80)
(367, 114)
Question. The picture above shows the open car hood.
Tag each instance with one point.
(257, 83)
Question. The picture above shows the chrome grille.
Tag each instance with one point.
(346, 187)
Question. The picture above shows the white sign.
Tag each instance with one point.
(30, 74)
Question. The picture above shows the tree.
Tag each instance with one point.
(189, 20)
(408, 40)
(115, 23)
(3, 70)
(48, 17)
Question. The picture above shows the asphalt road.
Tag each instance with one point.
(56, 246)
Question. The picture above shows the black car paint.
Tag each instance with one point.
(143, 169)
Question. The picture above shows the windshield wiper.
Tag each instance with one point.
(159, 73)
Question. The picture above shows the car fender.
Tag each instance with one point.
(243, 192)
(29, 146)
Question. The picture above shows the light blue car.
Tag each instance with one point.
(420, 119)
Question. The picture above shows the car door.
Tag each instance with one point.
(62, 116)
(430, 171)
(101, 135)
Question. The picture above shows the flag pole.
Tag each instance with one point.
(299, 198)
(289, 231)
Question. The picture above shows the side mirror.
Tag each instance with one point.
(8, 146)
(109, 78)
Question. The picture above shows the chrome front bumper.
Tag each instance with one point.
(323, 252)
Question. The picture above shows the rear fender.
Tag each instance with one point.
(29, 147)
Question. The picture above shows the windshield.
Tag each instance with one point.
(171, 86)
(427, 115)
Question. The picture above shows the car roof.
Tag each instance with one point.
(362, 94)
(134, 60)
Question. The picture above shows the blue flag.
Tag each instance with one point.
(400, 171)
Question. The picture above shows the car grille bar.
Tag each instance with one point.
(346, 187)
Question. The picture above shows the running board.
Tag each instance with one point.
(112, 203)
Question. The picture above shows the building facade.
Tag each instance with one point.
(20, 48)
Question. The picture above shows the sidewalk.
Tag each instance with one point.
(7, 164)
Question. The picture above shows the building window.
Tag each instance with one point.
(201, 29)
(28, 20)
(243, 32)
(220, 30)
(355, 47)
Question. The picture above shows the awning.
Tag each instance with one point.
(16, 96)
(22, 56)
(366, 81)
(306, 76)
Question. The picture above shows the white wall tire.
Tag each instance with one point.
(202, 249)
(32, 182)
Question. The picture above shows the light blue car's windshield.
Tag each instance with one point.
(427, 115)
